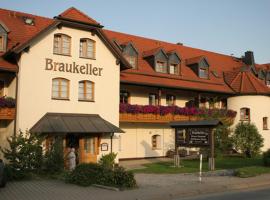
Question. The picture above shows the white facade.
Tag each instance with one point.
(259, 108)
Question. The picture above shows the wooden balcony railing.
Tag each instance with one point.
(7, 113)
(154, 118)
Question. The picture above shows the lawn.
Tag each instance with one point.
(252, 165)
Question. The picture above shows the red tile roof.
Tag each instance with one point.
(194, 60)
(245, 82)
(76, 15)
(21, 33)
(7, 66)
(218, 63)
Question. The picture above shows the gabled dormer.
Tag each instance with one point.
(174, 63)
(199, 65)
(130, 53)
(158, 59)
(3, 37)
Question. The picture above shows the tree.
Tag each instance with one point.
(247, 139)
(24, 154)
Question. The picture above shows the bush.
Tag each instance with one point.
(266, 158)
(54, 158)
(223, 141)
(24, 155)
(108, 160)
(88, 174)
(247, 139)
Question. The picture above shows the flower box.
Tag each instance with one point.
(7, 113)
(180, 117)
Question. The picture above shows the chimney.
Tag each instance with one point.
(180, 43)
(249, 58)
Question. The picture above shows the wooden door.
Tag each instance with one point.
(88, 149)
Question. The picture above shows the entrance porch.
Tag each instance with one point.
(83, 132)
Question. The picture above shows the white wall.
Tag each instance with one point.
(35, 83)
(136, 142)
(259, 108)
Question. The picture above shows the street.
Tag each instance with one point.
(254, 194)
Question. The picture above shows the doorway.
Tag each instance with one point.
(88, 146)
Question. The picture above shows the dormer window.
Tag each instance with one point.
(268, 83)
(203, 72)
(199, 65)
(174, 63)
(2, 46)
(131, 54)
(161, 67)
(132, 60)
(3, 37)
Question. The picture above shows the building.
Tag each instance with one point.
(68, 75)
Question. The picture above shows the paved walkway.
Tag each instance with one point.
(156, 187)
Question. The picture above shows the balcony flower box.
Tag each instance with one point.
(180, 118)
(7, 113)
(142, 116)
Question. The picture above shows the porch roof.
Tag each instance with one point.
(63, 123)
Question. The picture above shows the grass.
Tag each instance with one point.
(241, 164)
(246, 172)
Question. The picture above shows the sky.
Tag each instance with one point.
(223, 26)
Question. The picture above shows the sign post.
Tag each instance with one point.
(196, 134)
(211, 161)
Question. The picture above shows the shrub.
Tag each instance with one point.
(91, 173)
(85, 174)
(247, 139)
(266, 158)
(24, 155)
(108, 160)
(223, 141)
(123, 178)
(54, 157)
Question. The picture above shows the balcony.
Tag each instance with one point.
(166, 114)
(7, 108)
(154, 118)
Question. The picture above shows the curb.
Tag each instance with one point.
(106, 187)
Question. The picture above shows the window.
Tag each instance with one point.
(203, 72)
(268, 83)
(89, 145)
(202, 103)
(156, 142)
(170, 100)
(86, 91)
(132, 61)
(62, 44)
(161, 67)
(87, 48)
(245, 114)
(153, 99)
(265, 123)
(173, 69)
(224, 103)
(2, 43)
(60, 88)
(124, 96)
(2, 86)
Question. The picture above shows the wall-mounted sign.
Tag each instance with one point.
(104, 146)
(193, 136)
(73, 67)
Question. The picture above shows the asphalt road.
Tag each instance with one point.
(255, 194)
